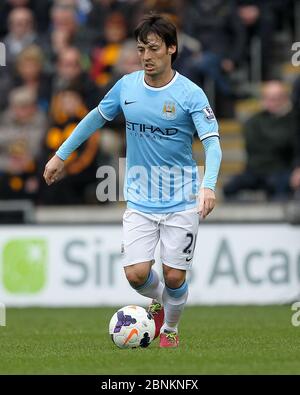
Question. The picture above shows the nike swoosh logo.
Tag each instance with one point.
(129, 102)
(188, 259)
(132, 332)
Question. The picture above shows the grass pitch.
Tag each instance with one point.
(214, 340)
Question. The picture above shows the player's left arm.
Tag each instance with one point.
(213, 156)
(208, 132)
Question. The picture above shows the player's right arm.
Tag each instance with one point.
(107, 110)
(55, 168)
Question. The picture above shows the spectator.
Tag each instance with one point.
(128, 61)
(67, 110)
(69, 71)
(21, 33)
(102, 9)
(218, 28)
(295, 176)
(6, 7)
(105, 56)
(22, 128)
(40, 9)
(270, 138)
(28, 72)
(189, 49)
(83, 8)
(60, 41)
(163, 6)
(65, 30)
(258, 20)
(29, 68)
(63, 18)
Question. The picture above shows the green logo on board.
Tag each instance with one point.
(24, 265)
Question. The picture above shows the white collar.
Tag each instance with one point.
(161, 87)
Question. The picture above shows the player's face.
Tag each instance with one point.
(154, 55)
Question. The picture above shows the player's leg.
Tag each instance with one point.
(140, 237)
(145, 280)
(174, 300)
(175, 295)
(178, 240)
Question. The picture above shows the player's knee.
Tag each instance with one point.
(136, 275)
(174, 278)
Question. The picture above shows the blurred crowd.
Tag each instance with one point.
(272, 143)
(63, 55)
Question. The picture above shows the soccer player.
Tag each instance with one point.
(165, 201)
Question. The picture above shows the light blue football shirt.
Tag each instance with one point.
(161, 174)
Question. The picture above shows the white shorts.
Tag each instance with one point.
(177, 233)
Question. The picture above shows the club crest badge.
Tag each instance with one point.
(169, 110)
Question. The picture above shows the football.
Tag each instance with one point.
(131, 327)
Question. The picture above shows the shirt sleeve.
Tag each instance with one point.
(110, 105)
(91, 122)
(213, 157)
(203, 116)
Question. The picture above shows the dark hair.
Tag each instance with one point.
(162, 27)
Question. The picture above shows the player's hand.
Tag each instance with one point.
(207, 201)
(54, 170)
